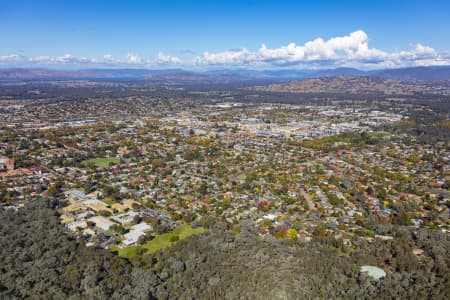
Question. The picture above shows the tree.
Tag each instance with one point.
(142, 239)
(320, 231)
(292, 234)
(157, 163)
(52, 191)
(173, 238)
(105, 213)
(136, 219)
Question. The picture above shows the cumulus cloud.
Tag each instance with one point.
(108, 58)
(351, 47)
(64, 59)
(164, 59)
(11, 58)
(352, 50)
(133, 59)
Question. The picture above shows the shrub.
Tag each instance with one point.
(174, 238)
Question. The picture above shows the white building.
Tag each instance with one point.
(75, 225)
(101, 222)
(135, 233)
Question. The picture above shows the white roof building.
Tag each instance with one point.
(142, 227)
(132, 237)
(73, 226)
(101, 222)
(136, 231)
(125, 218)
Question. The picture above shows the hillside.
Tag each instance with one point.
(417, 73)
(348, 84)
(38, 261)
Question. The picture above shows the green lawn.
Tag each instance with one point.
(101, 162)
(108, 201)
(378, 134)
(161, 241)
(199, 93)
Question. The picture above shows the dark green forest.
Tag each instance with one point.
(39, 261)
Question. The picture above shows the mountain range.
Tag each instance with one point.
(228, 75)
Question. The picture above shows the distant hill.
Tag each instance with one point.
(19, 73)
(339, 72)
(166, 76)
(50, 74)
(403, 74)
(348, 84)
(418, 73)
(219, 75)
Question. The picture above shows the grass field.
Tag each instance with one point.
(378, 134)
(101, 162)
(198, 93)
(161, 241)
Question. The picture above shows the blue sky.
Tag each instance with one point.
(206, 34)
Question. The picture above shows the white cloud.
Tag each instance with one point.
(108, 58)
(350, 50)
(64, 59)
(164, 59)
(133, 59)
(424, 50)
(351, 47)
(41, 59)
(11, 58)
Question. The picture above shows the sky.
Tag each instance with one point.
(254, 34)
